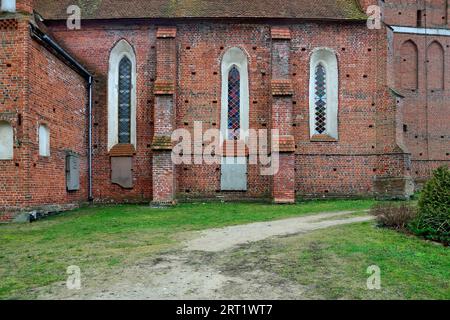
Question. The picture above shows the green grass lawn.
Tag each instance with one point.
(98, 238)
(333, 262)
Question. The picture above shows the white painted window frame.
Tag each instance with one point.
(120, 50)
(328, 58)
(235, 57)
(6, 141)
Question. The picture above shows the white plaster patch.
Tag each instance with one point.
(6, 141)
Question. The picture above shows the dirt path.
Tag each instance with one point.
(202, 269)
(215, 240)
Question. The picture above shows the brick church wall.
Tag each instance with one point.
(58, 99)
(418, 65)
(13, 82)
(91, 46)
(200, 46)
(385, 136)
(39, 88)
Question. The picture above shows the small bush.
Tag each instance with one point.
(393, 215)
(433, 220)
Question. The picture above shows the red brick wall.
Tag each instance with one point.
(58, 99)
(14, 188)
(91, 46)
(200, 46)
(426, 109)
(38, 88)
(434, 13)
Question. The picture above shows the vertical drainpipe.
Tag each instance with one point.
(91, 197)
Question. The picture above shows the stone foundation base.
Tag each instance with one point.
(393, 188)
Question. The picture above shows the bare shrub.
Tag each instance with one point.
(393, 215)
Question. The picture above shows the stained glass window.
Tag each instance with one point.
(125, 100)
(320, 99)
(234, 103)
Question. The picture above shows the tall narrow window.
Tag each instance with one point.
(419, 18)
(235, 95)
(321, 99)
(323, 94)
(234, 117)
(122, 95)
(6, 141)
(234, 103)
(125, 100)
(44, 141)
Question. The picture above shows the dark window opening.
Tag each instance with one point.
(419, 18)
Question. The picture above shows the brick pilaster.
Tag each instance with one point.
(164, 116)
(282, 119)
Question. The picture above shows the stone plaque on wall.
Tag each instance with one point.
(72, 172)
(121, 171)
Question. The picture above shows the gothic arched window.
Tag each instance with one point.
(234, 103)
(125, 100)
(235, 95)
(323, 93)
(122, 95)
(321, 99)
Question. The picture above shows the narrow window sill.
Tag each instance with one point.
(323, 138)
(122, 150)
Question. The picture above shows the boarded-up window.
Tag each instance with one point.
(435, 67)
(122, 171)
(408, 66)
(6, 141)
(44, 141)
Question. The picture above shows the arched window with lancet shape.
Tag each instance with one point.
(6, 141)
(234, 103)
(435, 66)
(125, 100)
(323, 93)
(122, 95)
(234, 121)
(408, 75)
(235, 95)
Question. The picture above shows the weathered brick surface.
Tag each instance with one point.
(38, 88)
(58, 99)
(405, 13)
(14, 189)
(384, 138)
(91, 46)
(418, 65)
